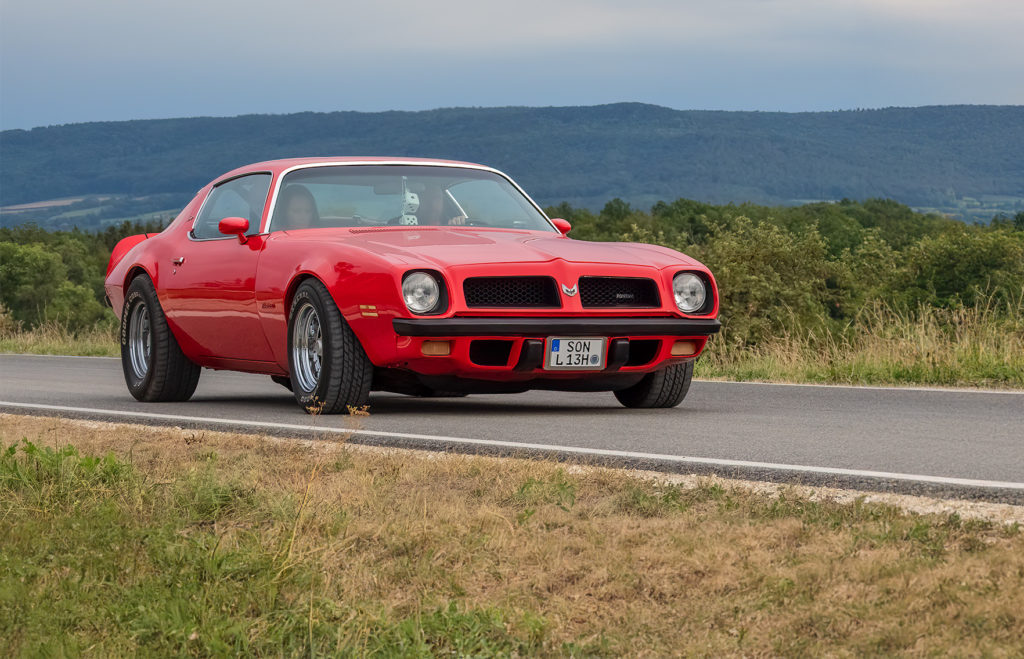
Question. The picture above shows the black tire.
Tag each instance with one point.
(664, 388)
(343, 373)
(283, 381)
(155, 369)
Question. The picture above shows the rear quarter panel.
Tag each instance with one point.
(142, 253)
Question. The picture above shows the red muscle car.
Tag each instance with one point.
(340, 276)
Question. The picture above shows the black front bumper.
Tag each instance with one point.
(491, 326)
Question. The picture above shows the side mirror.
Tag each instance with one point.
(234, 226)
(562, 225)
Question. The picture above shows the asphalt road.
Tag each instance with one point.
(946, 443)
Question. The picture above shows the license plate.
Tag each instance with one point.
(574, 353)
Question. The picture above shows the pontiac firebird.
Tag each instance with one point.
(342, 276)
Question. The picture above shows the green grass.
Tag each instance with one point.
(170, 542)
(96, 551)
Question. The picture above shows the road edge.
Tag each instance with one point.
(861, 480)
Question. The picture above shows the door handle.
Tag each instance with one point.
(178, 261)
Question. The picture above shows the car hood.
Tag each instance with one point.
(453, 247)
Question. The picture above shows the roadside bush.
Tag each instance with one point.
(29, 277)
(35, 288)
(866, 272)
(7, 324)
(770, 281)
(961, 267)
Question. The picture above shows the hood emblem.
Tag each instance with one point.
(569, 291)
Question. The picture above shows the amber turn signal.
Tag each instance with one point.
(684, 348)
(436, 348)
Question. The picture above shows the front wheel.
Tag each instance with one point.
(329, 370)
(155, 369)
(664, 388)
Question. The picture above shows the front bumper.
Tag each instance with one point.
(491, 326)
(512, 348)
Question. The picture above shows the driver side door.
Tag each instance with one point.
(210, 293)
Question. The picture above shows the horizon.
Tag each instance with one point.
(525, 107)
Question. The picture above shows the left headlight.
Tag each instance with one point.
(690, 292)
(421, 291)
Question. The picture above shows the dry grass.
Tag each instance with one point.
(562, 560)
(979, 346)
(55, 339)
(968, 347)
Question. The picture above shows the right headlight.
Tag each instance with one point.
(421, 291)
(690, 292)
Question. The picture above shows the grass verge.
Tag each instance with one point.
(964, 347)
(124, 539)
(55, 339)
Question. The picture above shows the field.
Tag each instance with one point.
(38, 205)
(124, 539)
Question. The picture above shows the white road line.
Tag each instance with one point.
(554, 448)
(945, 390)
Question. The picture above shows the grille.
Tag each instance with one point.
(618, 292)
(511, 292)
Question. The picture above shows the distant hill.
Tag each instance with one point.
(952, 158)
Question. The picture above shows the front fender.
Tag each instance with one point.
(362, 284)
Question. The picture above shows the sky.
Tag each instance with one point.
(67, 61)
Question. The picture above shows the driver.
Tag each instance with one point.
(298, 208)
(432, 208)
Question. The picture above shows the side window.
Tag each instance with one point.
(240, 197)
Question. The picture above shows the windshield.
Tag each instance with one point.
(396, 195)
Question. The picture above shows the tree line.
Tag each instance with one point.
(57, 276)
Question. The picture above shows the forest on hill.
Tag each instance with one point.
(963, 160)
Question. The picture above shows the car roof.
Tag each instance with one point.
(278, 166)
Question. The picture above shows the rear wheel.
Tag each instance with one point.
(330, 372)
(154, 367)
(664, 388)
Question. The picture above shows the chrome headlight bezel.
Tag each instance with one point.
(424, 292)
(690, 292)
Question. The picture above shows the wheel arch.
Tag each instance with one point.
(293, 286)
(134, 272)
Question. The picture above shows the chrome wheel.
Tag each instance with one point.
(307, 348)
(140, 341)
